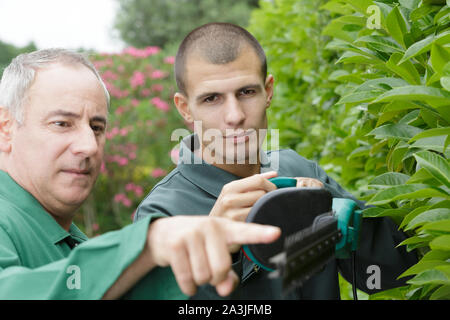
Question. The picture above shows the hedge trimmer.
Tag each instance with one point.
(315, 228)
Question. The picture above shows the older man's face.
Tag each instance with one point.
(57, 152)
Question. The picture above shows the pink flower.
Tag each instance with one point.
(157, 87)
(138, 191)
(141, 53)
(129, 186)
(119, 110)
(158, 172)
(122, 162)
(169, 60)
(103, 168)
(134, 102)
(160, 104)
(174, 155)
(126, 202)
(123, 132)
(145, 92)
(157, 74)
(137, 79)
(95, 226)
(119, 197)
(132, 155)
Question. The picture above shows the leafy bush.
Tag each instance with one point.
(387, 136)
(138, 148)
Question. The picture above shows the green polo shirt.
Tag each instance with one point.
(41, 260)
(194, 186)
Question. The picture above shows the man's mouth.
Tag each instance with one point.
(78, 172)
(239, 135)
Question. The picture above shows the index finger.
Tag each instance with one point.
(248, 233)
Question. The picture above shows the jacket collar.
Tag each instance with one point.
(207, 177)
(30, 208)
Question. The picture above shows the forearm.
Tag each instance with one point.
(131, 275)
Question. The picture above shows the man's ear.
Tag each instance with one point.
(5, 130)
(268, 86)
(181, 102)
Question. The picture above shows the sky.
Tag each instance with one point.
(71, 24)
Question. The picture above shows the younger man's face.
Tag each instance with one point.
(230, 98)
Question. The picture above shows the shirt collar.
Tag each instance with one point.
(32, 209)
(209, 178)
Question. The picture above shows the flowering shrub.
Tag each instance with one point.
(138, 150)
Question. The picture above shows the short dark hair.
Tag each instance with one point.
(218, 43)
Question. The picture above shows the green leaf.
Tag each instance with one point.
(422, 266)
(418, 48)
(431, 143)
(362, 96)
(433, 96)
(400, 131)
(441, 243)
(442, 293)
(431, 133)
(410, 191)
(442, 255)
(445, 83)
(436, 165)
(391, 294)
(412, 215)
(429, 276)
(410, 4)
(439, 57)
(390, 179)
(442, 226)
(429, 216)
(396, 25)
(406, 69)
(380, 43)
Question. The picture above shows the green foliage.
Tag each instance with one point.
(138, 138)
(8, 52)
(161, 22)
(368, 95)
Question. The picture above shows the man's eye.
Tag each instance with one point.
(98, 129)
(62, 124)
(210, 99)
(247, 92)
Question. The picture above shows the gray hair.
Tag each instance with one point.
(19, 75)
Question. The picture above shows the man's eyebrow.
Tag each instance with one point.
(70, 114)
(204, 95)
(252, 86)
(257, 86)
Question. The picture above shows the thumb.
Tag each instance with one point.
(225, 287)
(268, 175)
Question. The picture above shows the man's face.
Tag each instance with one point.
(231, 98)
(57, 152)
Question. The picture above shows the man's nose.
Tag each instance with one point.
(85, 142)
(234, 113)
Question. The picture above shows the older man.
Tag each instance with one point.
(53, 116)
(221, 73)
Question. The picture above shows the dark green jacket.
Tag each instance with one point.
(194, 186)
